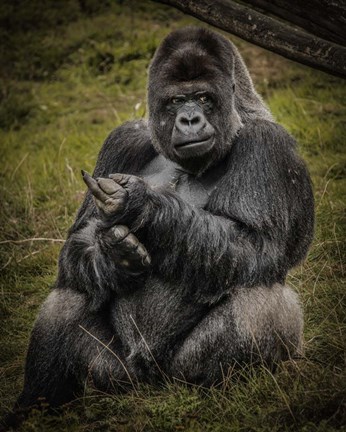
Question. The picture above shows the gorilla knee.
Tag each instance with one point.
(269, 321)
(254, 325)
(62, 306)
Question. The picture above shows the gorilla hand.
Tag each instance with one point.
(109, 196)
(127, 251)
(121, 198)
(113, 199)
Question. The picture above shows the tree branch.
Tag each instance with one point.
(329, 25)
(267, 32)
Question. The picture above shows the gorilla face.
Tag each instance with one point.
(191, 89)
(192, 134)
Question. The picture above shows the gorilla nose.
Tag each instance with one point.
(190, 122)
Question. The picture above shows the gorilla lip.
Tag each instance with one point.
(195, 148)
(195, 143)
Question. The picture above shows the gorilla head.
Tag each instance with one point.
(191, 96)
(200, 94)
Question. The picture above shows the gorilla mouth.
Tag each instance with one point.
(194, 142)
(194, 147)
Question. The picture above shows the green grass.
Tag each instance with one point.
(68, 77)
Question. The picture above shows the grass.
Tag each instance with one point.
(69, 75)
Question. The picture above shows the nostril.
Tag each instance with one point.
(195, 120)
(190, 122)
(184, 121)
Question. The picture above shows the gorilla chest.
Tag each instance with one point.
(162, 173)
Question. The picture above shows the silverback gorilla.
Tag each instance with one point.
(176, 263)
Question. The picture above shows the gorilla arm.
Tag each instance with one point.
(258, 222)
(92, 257)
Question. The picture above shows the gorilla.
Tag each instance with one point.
(175, 266)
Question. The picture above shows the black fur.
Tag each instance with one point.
(222, 229)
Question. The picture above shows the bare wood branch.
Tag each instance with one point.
(267, 32)
(307, 14)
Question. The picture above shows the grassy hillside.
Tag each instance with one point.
(70, 72)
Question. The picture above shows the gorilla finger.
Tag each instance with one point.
(124, 179)
(130, 244)
(132, 267)
(120, 194)
(108, 186)
(143, 255)
(120, 232)
(147, 261)
(99, 204)
(114, 205)
(94, 187)
(109, 206)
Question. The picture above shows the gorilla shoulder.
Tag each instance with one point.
(127, 148)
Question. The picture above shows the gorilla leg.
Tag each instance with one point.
(68, 345)
(253, 325)
(149, 322)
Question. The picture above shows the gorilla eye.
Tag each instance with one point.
(176, 100)
(203, 99)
